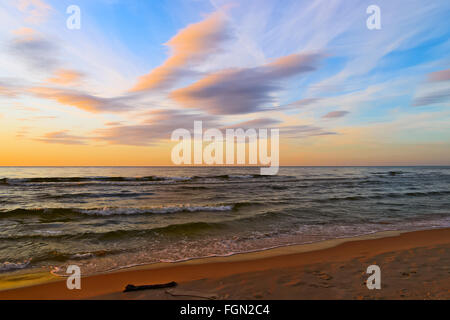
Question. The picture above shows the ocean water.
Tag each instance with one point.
(107, 218)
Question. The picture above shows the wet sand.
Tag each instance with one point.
(414, 265)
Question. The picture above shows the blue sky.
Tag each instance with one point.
(136, 70)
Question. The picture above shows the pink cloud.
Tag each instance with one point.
(335, 114)
(443, 75)
(188, 47)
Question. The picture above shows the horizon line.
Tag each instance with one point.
(213, 166)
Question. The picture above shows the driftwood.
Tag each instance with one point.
(132, 287)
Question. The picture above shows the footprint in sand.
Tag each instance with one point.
(323, 275)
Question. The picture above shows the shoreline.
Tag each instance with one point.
(280, 258)
(30, 277)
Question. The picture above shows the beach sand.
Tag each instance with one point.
(414, 265)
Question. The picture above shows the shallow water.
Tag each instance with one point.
(104, 218)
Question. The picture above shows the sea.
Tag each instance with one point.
(109, 218)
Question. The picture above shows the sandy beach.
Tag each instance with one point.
(414, 265)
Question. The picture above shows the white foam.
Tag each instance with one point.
(236, 176)
(173, 209)
(82, 255)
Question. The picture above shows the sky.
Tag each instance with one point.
(112, 92)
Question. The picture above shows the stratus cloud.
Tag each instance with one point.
(437, 97)
(7, 91)
(335, 114)
(244, 90)
(34, 50)
(82, 100)
(255, 124)
(36, 11)
(23, 132)
(188, 47)
(62, 137)
(298, 104)
(65, 77)
(157, 126)
(443, 75)
(302, 131)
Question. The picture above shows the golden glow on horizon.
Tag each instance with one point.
(332, 150)
(88, 101)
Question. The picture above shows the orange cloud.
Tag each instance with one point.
(79, 100)
(37, 11)
(65, 77)
(25, 34)
(62, 137)
(7, 91)
(189, 46)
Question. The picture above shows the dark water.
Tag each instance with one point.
(104, 218)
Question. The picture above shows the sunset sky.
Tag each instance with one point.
(112, 92)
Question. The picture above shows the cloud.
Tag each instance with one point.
(25, 33)
(36, 11)
(302, 131)
(28, 109)
(243, 90)
(38, 118)
(7, 91)
(436, 97)
(62, 137)
(188, 47)
(443, 75)
(65, 77)
(23, 132)
(11, 87)
(158, 126)
(335, 114)
(255, 124)
(82, 100)
(297, 104)
(36, 51)
(113, 123)
(342, 31)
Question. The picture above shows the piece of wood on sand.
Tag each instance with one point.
(131, 287)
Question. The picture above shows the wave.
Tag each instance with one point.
(54, 256)
(386, 195)
(106, 211)
(236, 176)
(87, 179)
(168, 209)
(389, 173)
(181, 229)
(96, 195)
(9, 266)
(119, 179)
